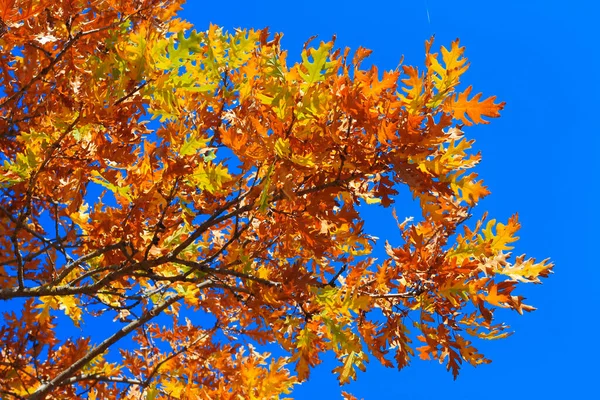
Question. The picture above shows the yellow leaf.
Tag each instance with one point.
(414, 90)
(347, 371)
(447, 76)
(504, 235)
(468, 189)
(527, 270)
(122, 191)
(191, 145)
(282, 147)
(210, 177)
(68, 304)
(173, 388)
(304, 352)
(305, 160)
(319, 68)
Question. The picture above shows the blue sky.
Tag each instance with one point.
(541, 57)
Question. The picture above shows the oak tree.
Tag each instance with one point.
(203, 193)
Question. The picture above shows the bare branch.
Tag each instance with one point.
(29, 230)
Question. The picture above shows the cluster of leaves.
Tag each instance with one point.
(238, 202)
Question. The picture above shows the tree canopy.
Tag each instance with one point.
(151, 172)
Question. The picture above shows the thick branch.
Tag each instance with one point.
(68, 290)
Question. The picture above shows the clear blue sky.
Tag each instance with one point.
(539, 159)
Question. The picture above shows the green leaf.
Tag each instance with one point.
(118, 190)
(319, 67)
(191, 145)
(347, 371)
(242, 44)
(210, 177)
(152, 392)
(210, 155)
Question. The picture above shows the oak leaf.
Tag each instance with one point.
(471, 111)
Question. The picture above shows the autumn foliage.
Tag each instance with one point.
(199, 194)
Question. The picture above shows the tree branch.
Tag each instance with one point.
(98, 252)
(54, 61)
(176, 354)
(133, 92)
(106, 344)
(203, 268)
(30, 230)
(406, 295)
(101, 378)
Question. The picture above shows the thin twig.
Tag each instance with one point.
(101, 378)
(133, 92)
(202, 268)
(337, 275)
(105, 345)
(98, 252)
(177, 354)
(54, 61)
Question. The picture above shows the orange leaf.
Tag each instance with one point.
(471, 111)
